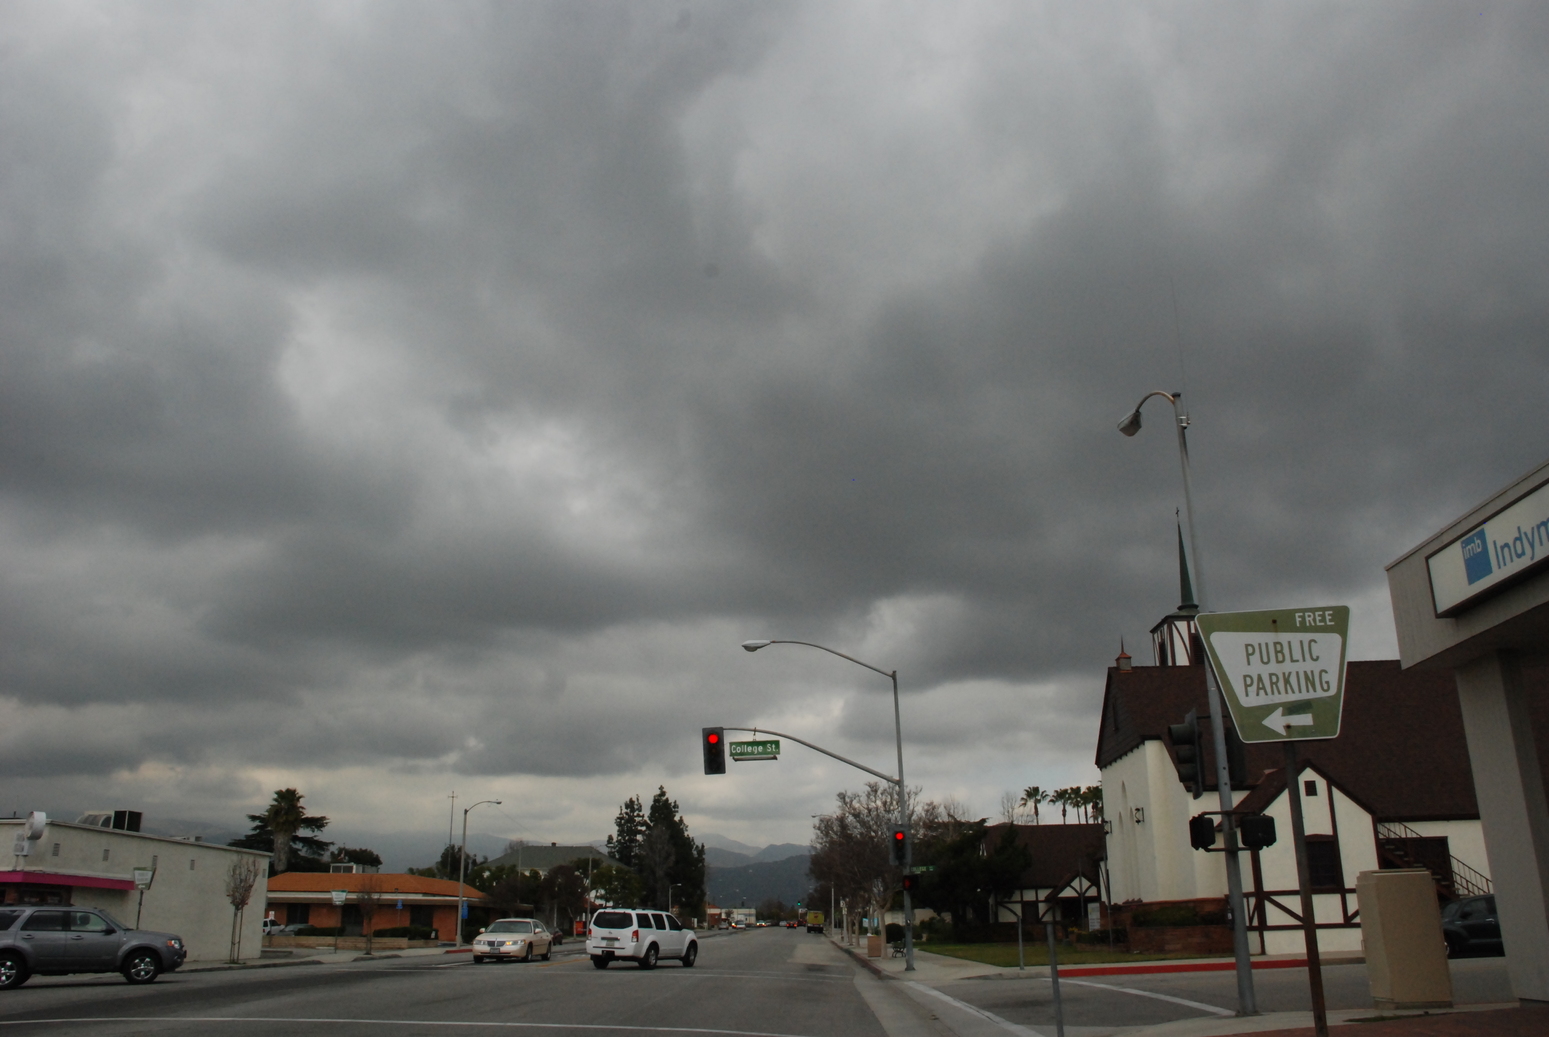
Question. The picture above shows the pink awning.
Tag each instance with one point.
(50, 878)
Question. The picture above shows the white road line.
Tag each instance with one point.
(386, 1022)
(1149, 993)
(1016, 1028)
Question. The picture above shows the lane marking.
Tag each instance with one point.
(388, 1022)
(1016, 1028)
(1147, 993)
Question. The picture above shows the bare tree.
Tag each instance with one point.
(241, 877)
(1008, 807)
(368, 898)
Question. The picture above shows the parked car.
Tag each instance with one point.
(1471, 926)
(513, 939)
(643, 937)
(56, 941)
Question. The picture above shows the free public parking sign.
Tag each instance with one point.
(1282, 671)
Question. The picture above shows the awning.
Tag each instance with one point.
(54, 878)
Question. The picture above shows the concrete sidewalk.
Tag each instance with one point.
(936, 970)
(324, 956)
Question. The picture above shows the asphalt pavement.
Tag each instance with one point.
(754, 983)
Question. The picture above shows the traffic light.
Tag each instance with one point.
(1186, 748)
(1202, 832)
(1258, 831)
(911, 883)
(713, 740)
(900, 843)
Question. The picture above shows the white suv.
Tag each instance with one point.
(643, 937)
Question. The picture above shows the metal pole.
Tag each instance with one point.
(1246, 1002)
(1021, 960)
(1054, 971)
(903, 814)
(1309, 921)
(462, 873)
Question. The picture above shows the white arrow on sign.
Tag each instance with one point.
(1279, 722)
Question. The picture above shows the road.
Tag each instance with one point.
(758, 983)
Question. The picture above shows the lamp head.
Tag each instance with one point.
(1131, 424)
(753, 646)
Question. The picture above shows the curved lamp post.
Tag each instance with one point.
(903, 795)
(462, 867)
(1245, 998)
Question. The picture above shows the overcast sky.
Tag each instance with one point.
(407, 397)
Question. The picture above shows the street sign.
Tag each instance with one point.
(769, 749)
(1282, 670)
(340, 896)
(921, 869)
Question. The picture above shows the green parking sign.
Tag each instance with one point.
(1282, 671)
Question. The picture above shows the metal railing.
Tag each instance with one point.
(1464, 880)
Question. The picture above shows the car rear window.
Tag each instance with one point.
(613, 920)
(8, 919)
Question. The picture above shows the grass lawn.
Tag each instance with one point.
(1005, 954)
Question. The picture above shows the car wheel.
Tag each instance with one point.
(13, 971)
(548, 952)
(142, 967)
(527, 954)
(599, 962)
(477, 960)
(648, 960)
(1454, 947)
(691, 955)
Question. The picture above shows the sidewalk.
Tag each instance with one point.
(325, 956)
(937, 970)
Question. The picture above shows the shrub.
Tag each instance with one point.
(412, 932)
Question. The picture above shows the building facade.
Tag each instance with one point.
(391, 901)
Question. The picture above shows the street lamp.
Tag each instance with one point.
(903, 795)
(462, 866)
(1245, 999)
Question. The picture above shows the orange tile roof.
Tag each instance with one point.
(322, 882)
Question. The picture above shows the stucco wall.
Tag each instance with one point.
(188, 896)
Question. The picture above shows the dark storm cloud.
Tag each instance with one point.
(452, 386)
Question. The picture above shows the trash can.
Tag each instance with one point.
(1406, 954)
(874, 946)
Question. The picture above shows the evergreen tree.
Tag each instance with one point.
(278, 830)
(629, 828)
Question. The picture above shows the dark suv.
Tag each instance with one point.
(53, 941)
(1470, 926)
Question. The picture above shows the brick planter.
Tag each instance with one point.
(1203, 940)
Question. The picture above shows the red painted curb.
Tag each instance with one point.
(459, 950)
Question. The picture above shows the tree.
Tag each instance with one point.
(850, 848)
(278, 829)
(1008, 807)
(562, 893)
(241, 877)
(616, 886)
(355, 855)
(629, 828)
(368, 898)
(1031, 797)
(969, 873)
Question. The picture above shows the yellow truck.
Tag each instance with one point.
(814, 921)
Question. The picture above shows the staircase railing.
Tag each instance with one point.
(1466, 881)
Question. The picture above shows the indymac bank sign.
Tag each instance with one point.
(1493, 555)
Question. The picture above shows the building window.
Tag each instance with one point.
(298, 914)
(1310, 788)
(55, 851)
(1323, 867)
(423, 915)
(191, 863)
(104, 853)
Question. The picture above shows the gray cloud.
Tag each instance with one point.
(438, 390)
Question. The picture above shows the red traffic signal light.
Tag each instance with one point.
(911, 883)
(900, 846)
(713, 741)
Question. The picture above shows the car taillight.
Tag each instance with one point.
(634, 937)
(591, 932)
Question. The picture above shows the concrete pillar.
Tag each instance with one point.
(1514, 812)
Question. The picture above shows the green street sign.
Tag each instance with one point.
(921, 869)
(765, 750)
(1282, 671)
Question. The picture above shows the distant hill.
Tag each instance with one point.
(748, 884)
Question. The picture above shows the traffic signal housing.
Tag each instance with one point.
(911, 883)
(713, 741)
(1186, 749)
(1202, 832)
(900, 844)
(1257, 830)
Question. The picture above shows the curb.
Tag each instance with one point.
(228, 967)
(861, 959)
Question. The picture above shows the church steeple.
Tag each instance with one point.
(1186, 602)
(1176, 639)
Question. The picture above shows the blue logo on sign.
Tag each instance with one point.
(1476, 557)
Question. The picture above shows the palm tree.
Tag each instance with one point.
(1032, 796)
(1062, 797)
(285, 817)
